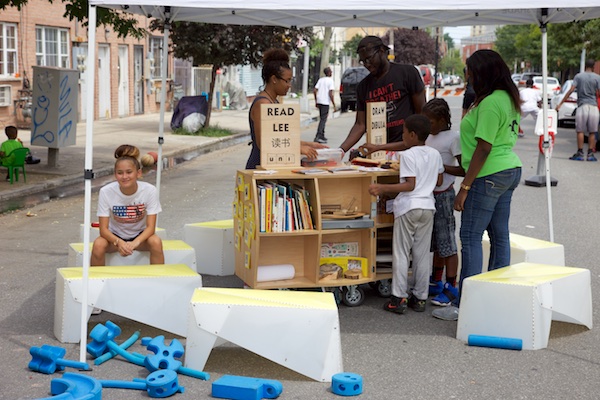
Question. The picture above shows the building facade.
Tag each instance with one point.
(128, 70)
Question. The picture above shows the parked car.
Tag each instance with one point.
(525, 76)
(516, 78)
(566, 113)
(447, 80)
(350, 80)
(552, 83)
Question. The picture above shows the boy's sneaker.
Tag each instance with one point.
(577, 156)
(416, 304)
(446, 314)
(591, 157)
(396, 305)
(444, 299)
(435, 287)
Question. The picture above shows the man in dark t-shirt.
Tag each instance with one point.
(399, 85)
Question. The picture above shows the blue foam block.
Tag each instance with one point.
(347, 384)
(245, 388)
(496, 342)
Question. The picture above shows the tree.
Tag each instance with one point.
(123, 23)
(412, 46)
(449, 41)
(452, 63)
(222, 45)
(350, 46)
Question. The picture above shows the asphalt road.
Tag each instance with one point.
(411, 356)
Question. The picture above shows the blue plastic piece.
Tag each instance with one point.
(100, 336)
(125, 345)
(165, 356)
(48, 359)
(496, 342)
(159, 384)
(135, 359)
(75, 387)
(246, 388)
(347, 384)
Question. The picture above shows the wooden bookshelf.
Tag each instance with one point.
(302, 248)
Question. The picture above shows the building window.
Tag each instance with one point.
(52, 47)
(8, 49)
(156, 51)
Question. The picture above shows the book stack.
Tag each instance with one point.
(284, 207)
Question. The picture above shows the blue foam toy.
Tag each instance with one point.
(347, 384)
(132, 358)
(159, 384)
(75, 387)
(495, 341)
(246, 388)
(49, 359)
(111, 353)
(100, 336)
(165, 356)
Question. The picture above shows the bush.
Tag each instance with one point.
(209, 131)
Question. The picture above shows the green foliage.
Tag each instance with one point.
(221, 45)
(412, 46)
(209, 131)
(449, 41)
(350, 46)
(452, 63)
(123, 23)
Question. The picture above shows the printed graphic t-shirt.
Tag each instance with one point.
(128, 213)
(395, 88)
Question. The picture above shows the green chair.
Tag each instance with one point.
(15, 160)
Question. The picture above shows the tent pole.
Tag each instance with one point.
(163, 96)
(88, 175)
(543, 27)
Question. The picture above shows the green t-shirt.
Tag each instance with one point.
(7, 147)
(494, 121)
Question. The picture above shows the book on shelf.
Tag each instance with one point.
(262, 195)
(346, 169)
(310, 171)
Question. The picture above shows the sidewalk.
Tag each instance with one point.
(45, 182)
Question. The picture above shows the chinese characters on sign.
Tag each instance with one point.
(280, 136)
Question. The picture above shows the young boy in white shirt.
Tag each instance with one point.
(421, 169)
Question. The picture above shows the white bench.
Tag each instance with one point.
(176, 252)
(299, 330)
(213, 242)
(520, 302)
(156, 295)
(526, 249)
(95, 232)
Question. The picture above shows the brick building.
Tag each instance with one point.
(127, 69)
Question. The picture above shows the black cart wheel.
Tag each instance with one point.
(384, 287)
(353, 296)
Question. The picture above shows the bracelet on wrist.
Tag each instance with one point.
(465, 187)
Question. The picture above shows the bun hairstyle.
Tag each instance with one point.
(128, 152)
(274, 60)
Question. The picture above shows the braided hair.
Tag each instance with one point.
(438, 108)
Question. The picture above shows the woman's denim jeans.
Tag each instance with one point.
(487, 207)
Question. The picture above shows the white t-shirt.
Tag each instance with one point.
(127, 213)
(530, 98)
(448, 144)
(424, 163)
(323, 86)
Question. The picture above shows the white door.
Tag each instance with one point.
(138, 81)
(103, 81)
(80, 55)
(123, 69)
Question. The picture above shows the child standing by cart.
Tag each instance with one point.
(443, 243)
(421, 170)
(127, 213)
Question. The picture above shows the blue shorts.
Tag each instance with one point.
(443, 240)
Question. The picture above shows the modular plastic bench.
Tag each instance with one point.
(213, 242)
(176, 252)
(299, 330)
(521, 301)
(156, 295)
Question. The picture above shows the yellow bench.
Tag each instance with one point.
(156, 295)
(176, 252)
(213, 242)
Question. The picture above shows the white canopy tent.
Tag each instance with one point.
(334, 13)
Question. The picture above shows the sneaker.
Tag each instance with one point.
(445, 298)
(396, 305)
(435, 287)
(577, 156)
(447, 314)
(521, 135)
(591, 157)
(416, 304)
(321, 140)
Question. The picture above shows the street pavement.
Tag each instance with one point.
(411, 356)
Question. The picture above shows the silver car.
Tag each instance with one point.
(566, 113)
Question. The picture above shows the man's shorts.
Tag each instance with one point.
(443, 239)
(587, 118)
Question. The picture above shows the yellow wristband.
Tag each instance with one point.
(465, 187)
